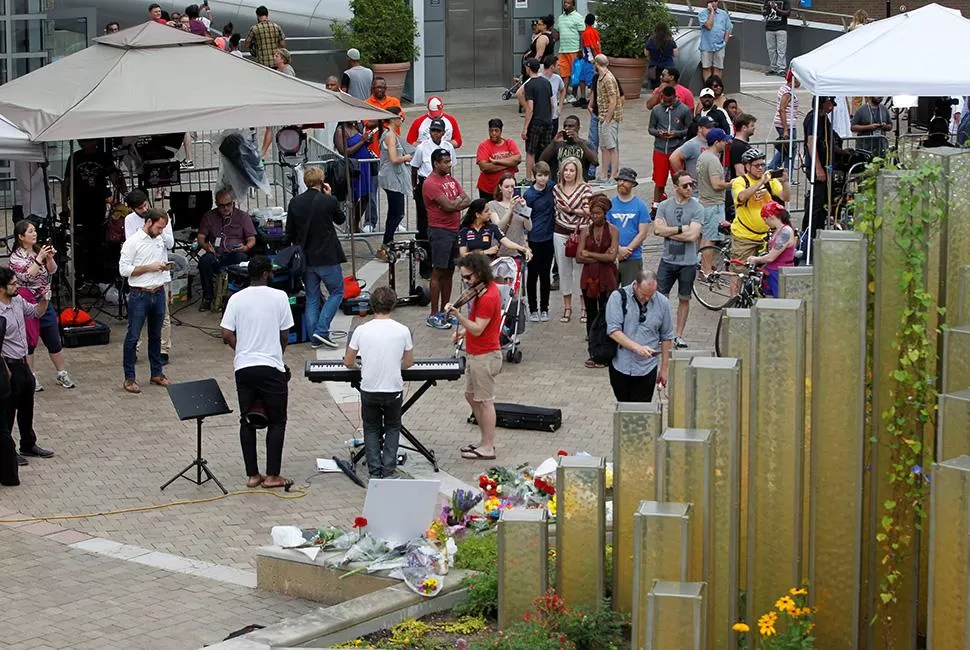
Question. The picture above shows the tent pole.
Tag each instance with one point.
(811, 191)
(73, 259)
(350, 208)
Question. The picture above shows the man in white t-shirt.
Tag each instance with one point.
(384, 347)
(256, 325)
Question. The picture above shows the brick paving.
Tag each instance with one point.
(114, 450)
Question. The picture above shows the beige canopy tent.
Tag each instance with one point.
(152, 79)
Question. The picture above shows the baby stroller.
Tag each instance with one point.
(508, 276)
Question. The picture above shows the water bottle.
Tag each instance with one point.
(354, 442)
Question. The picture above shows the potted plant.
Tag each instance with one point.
(384, 31)
(624, 26)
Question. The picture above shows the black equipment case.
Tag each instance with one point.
(79, 336)
(519, 416)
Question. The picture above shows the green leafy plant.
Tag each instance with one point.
(482, 595)
(625, 25)
(477, 552)
(383, 30)
(915, 214)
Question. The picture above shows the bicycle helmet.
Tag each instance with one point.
(752, 155)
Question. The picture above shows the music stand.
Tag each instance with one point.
(197, 400)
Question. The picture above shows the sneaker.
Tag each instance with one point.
(38, 387)
(438, 322)
(570, 98)
(316, 341)
(64, 379)
(368, 229)
(544, 317)
(187, 164)
(206, 305)
(402, 228)
(453, 320)
(680, 343)
(607, 183)
(534, 317)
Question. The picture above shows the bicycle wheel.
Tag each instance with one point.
(713, 290)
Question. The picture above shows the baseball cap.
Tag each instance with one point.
(717, 135)
(436, 124)
(705, 122)
(627, 174)
(707, 92)
(353, 54)
(435, 108)
(826, 98)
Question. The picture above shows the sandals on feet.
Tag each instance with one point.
(582, 319)
(255, 481)
(467, 449)
(474, 454)
(567, 315)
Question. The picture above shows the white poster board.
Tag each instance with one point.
(398, 510)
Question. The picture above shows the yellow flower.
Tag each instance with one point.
(766, 624)
(741, 627)
(552, 505)
(798, 592)
(785, 604)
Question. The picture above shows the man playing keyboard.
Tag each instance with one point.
(384, 347)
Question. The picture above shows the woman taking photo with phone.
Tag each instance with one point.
(34, 265)
(479, 233)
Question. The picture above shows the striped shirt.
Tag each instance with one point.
(792, 109)
(567, 203)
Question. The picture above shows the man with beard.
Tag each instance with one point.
(872, 120)
(707, 108)
(568, 144)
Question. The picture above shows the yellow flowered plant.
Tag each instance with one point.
(552, 505)
(785, 627)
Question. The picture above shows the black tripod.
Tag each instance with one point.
(417, 293)
(198, 400)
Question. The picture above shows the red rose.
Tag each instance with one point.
(360, 522)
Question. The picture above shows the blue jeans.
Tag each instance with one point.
(210, 264)
(371, 218)
(381, 417)
(783, 157)
(318, 321)
(144, 306)
(594, 142)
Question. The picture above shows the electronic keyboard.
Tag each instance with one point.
(444, 369)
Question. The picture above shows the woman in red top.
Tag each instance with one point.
(483, 351)
(597, 254)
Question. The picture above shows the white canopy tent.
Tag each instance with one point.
(114, 88)
(16, 144)
(877, 60)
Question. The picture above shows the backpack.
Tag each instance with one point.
(602, 348)
(963, 132)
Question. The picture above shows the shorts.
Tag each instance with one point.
(668, 273)
(609, 135)
(480, 372)
(661, 168)
(538, 137)
(713, 216)
(566, 60)
(444, 248)
(742, 249)
(50, 333)
(713, 59)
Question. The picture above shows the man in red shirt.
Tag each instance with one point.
(421, 128)
(671, 77)
(496, 156)
(444, 199)
(481, 329)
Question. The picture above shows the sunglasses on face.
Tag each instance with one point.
(688, 185)
(466, 277)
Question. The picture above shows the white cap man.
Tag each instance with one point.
(356, 80)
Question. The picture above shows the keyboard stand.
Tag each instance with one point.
(416, 444)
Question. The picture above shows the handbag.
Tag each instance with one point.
(352, 287)
(572, 244)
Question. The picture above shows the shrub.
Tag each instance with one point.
(383, 31)
(477, 553)
(482, 595)
(625, 25)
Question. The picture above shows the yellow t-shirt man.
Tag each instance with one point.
(748, 223)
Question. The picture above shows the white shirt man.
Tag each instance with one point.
(421, 160)
(256, 325)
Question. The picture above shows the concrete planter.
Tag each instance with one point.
(630, 73)
(394, 74)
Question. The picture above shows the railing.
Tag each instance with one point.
(804, 15)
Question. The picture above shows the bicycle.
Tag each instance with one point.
(713, 290)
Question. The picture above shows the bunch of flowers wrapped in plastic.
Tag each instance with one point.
(788, 625)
